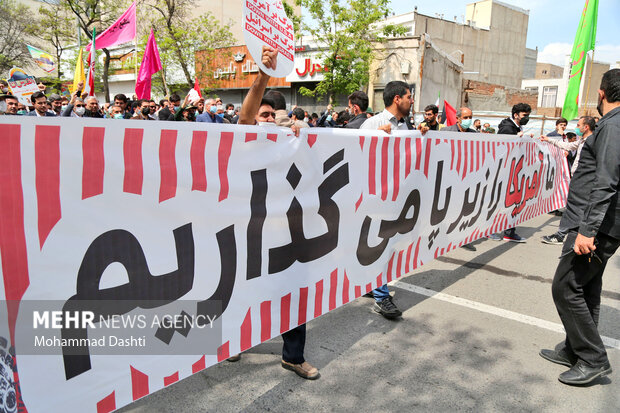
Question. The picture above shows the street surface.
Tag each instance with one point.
(472, 326)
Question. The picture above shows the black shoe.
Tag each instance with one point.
(514, 237)
(369, 295)
(387, 308)
(558, 357)
(581, 373)
(552, 239)
(469, 247)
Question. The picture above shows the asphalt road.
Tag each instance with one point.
(472, 326)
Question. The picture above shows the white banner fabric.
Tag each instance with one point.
(251, 226)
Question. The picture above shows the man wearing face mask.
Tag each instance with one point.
(584, 129)
(593, 218)
(514, 126)
(258, 109)
(116, 112)
(463, 123)
(143, 110)
(210, 113)
(230, 113)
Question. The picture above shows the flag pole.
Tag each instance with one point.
(585, 103)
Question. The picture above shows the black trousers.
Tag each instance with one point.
(294, 343)
(576, 289)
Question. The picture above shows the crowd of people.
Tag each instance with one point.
(589, 229)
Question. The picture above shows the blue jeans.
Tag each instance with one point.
(381, 293)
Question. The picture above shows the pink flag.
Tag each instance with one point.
(149, 66)
(122, 31)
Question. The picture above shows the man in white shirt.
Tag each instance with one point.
(397, 100)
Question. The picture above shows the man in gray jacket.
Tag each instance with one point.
(593, 218)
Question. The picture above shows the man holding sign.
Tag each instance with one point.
(257, 110)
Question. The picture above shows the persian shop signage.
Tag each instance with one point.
(308, 68)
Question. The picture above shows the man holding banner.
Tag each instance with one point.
(259, 110)
(593, 218)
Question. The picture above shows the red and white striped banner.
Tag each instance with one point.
(277, 229)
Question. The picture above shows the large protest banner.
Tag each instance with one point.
(135, 254)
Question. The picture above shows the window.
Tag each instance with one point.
(550, 94)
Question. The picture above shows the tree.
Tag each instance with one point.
(99, 14)
(179, 36)
(345, 31)
(15, 27)
(58, 29)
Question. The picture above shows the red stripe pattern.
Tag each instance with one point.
(226, 141)
(168, 165)
(47, 160)
(132, 151)
(93, 165)
(197, 156)
(139, 383)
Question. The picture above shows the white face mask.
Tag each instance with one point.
(266, 124)
(306, 120)
(80, 111)
(3, 106)
(231, 112)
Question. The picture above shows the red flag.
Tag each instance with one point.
(150, 65)
(197, 87)
(90, 86)
(449, 114)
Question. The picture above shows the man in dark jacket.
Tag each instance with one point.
(593, 216)
(464, 118)
(358, 103)
(514, 126)
(39, 101)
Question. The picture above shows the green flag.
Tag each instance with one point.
(584, 42)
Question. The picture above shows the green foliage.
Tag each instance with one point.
(59, 30)
(345, 31)
(15, 26)
(179, 36)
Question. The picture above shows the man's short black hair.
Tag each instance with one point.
(561, 120)
(571, 135)
(121, 97)
(267, 100)
(36, 95)
(360, 99)
(299, 113)
(277, 98)
(314, 116)
(141, 101)
(432, 108)
(610, 84)
(589, 120)
(230, 105)
(10, 97)
(521, 107)
(175, 98)
(393, 89)
(161, 102)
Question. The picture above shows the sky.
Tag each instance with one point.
(552, 24)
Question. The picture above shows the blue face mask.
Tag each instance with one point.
(118, 116)
(578, 132)
(328, 118)
(221, 115)
(21, 112)
(213, 109)
(466, 123)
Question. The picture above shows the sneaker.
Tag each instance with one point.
(469, 247)
(494, 237)
(514, 237)
(387, 308)
(305, 370)
(552, 239)
(369, 295)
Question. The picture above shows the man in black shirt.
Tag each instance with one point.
(593, 216)
(430, 120)
(358, 103)
(514, 126)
